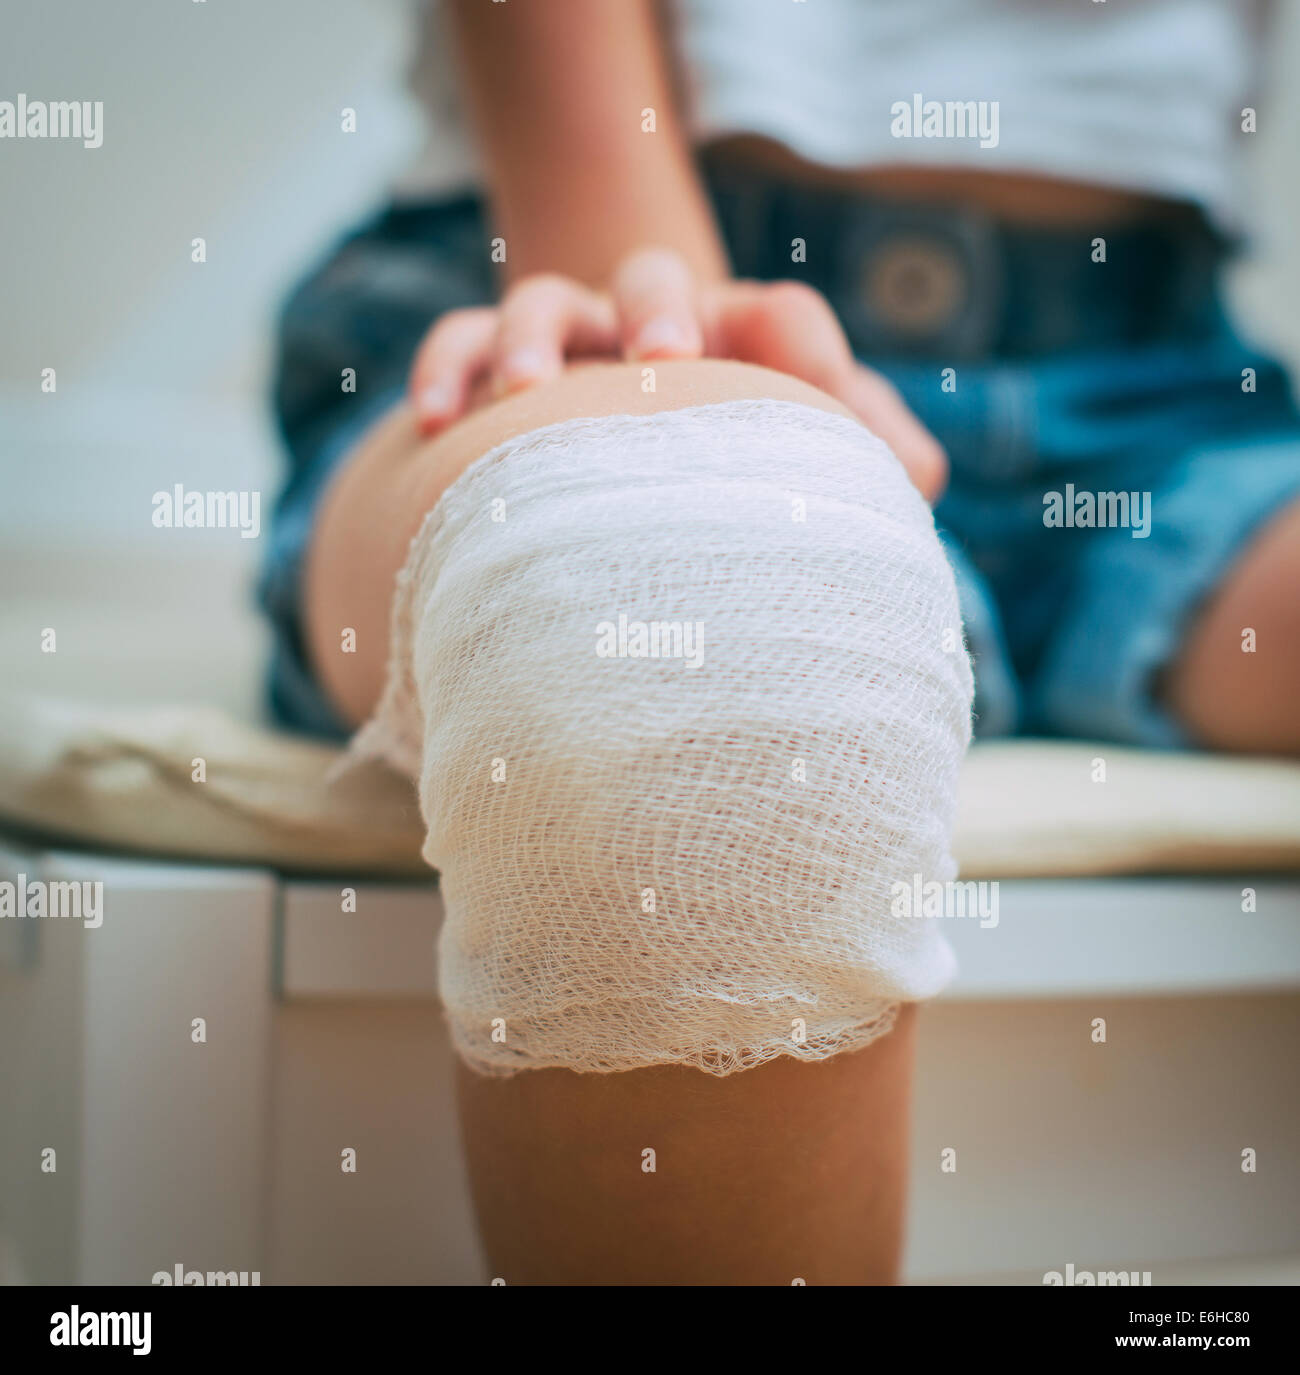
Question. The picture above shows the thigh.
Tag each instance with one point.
(343, 347)
(1235, 681)
(381, 493)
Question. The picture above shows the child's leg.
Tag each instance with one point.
(792, 1170)
(784, 1172)
(1234, 700)
(381, 494)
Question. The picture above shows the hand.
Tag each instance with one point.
(655, 310)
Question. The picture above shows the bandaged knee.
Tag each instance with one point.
(686, 697)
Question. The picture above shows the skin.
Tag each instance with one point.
(786, 1171)
(1019, 197)
(563, 86)
(1230, 700)
(381, 494)
(546, 322)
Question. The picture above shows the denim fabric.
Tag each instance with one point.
(1047, 374)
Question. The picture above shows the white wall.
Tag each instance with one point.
(221, 121)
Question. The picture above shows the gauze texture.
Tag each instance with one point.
(686, 698)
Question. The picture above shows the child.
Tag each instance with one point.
(1048, 301)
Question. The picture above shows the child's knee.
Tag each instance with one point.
(688, 696)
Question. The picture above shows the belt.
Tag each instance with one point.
(921, 280)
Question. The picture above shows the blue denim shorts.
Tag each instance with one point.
(1114, 444)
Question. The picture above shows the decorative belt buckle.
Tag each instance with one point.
(920, 280)
(913, 285)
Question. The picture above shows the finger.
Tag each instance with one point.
(786, 326)
(658, 314)
(885, 413)
(543, 320)
(453, 353)
(792, 328)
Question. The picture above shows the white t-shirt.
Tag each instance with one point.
(1145, 95)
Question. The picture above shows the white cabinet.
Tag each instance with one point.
(322, 1035)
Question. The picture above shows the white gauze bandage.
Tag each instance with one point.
(686, 697)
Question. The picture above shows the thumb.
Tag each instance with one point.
(877, 403)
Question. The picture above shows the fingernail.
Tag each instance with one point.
(523, 365)
(660, 334)
(436, 400)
